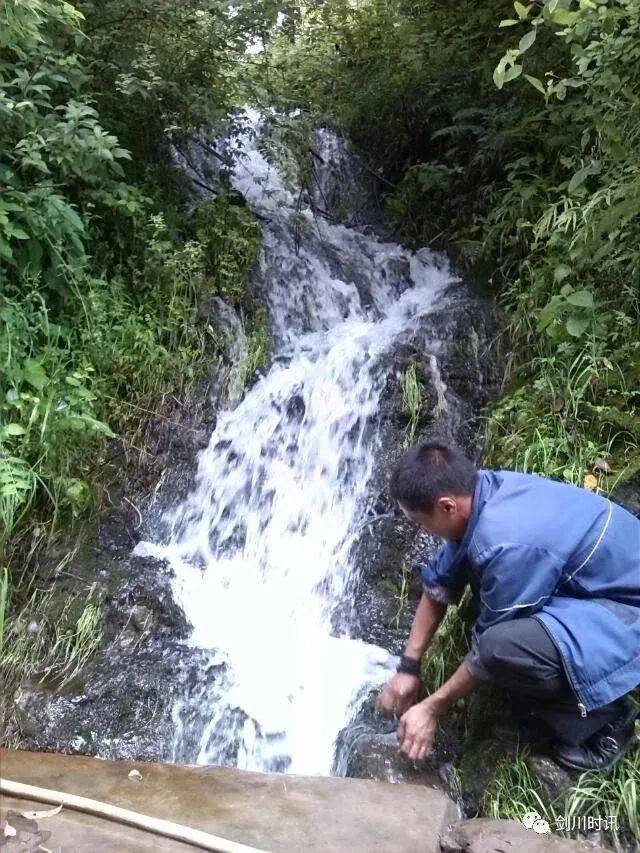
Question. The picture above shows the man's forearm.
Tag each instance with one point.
(425, 623)
(461, 684)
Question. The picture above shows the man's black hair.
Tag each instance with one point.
(429, 471)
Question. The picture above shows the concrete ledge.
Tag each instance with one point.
(269, 811)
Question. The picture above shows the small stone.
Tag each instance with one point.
(142, 617)
(135, 775)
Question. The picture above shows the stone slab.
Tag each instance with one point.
(486, 835)
(74, 832)
(272, 812)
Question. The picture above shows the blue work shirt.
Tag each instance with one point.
(568, 557)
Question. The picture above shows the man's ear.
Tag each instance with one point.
(447, 504)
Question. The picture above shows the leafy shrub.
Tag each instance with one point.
(104, 260)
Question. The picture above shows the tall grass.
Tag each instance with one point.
(4, 594)
(614, 793)
(49, 638)
(449, 646)
(411, 401)
(514, 791)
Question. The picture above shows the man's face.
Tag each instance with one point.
(448, 519)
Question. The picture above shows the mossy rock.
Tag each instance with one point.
(482, 748)
(476, 769)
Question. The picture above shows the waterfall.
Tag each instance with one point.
(263, 547)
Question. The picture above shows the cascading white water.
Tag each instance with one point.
(263, 547)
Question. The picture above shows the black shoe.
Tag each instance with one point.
(604, 748)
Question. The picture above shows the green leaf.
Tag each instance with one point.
(564, 17)
(521, 10)
(82, 421)
(6, 251)
(577, 324)
(526, 41)
(536, 83)
(581, 298)
(508, 22)
(579, 178)
(35, 375)
(16, 232)
(561, 272)
(14, 429)
(78, 492)
(546, 317)
(512, 73)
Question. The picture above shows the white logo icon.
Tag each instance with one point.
(532, 820)
(541, 826)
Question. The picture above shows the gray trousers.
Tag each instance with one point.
(523, 659)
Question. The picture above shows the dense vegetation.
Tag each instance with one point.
(104, 259)
(507, 134)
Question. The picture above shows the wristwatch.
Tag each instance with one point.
(408, 665)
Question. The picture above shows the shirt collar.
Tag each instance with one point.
(480, 497)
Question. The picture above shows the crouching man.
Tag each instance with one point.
(555, 575)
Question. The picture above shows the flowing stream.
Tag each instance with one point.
(263, 548)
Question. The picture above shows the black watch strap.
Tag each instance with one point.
(408, 665)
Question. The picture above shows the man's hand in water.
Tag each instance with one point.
(418, 725)
(399, 694)
(417, 731)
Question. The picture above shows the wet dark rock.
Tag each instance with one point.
(141, 617)
(554, 780)
(121, 703)
(628, 494)
(341, 187)
(121, 712)
(376, 756)
(368, 749)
